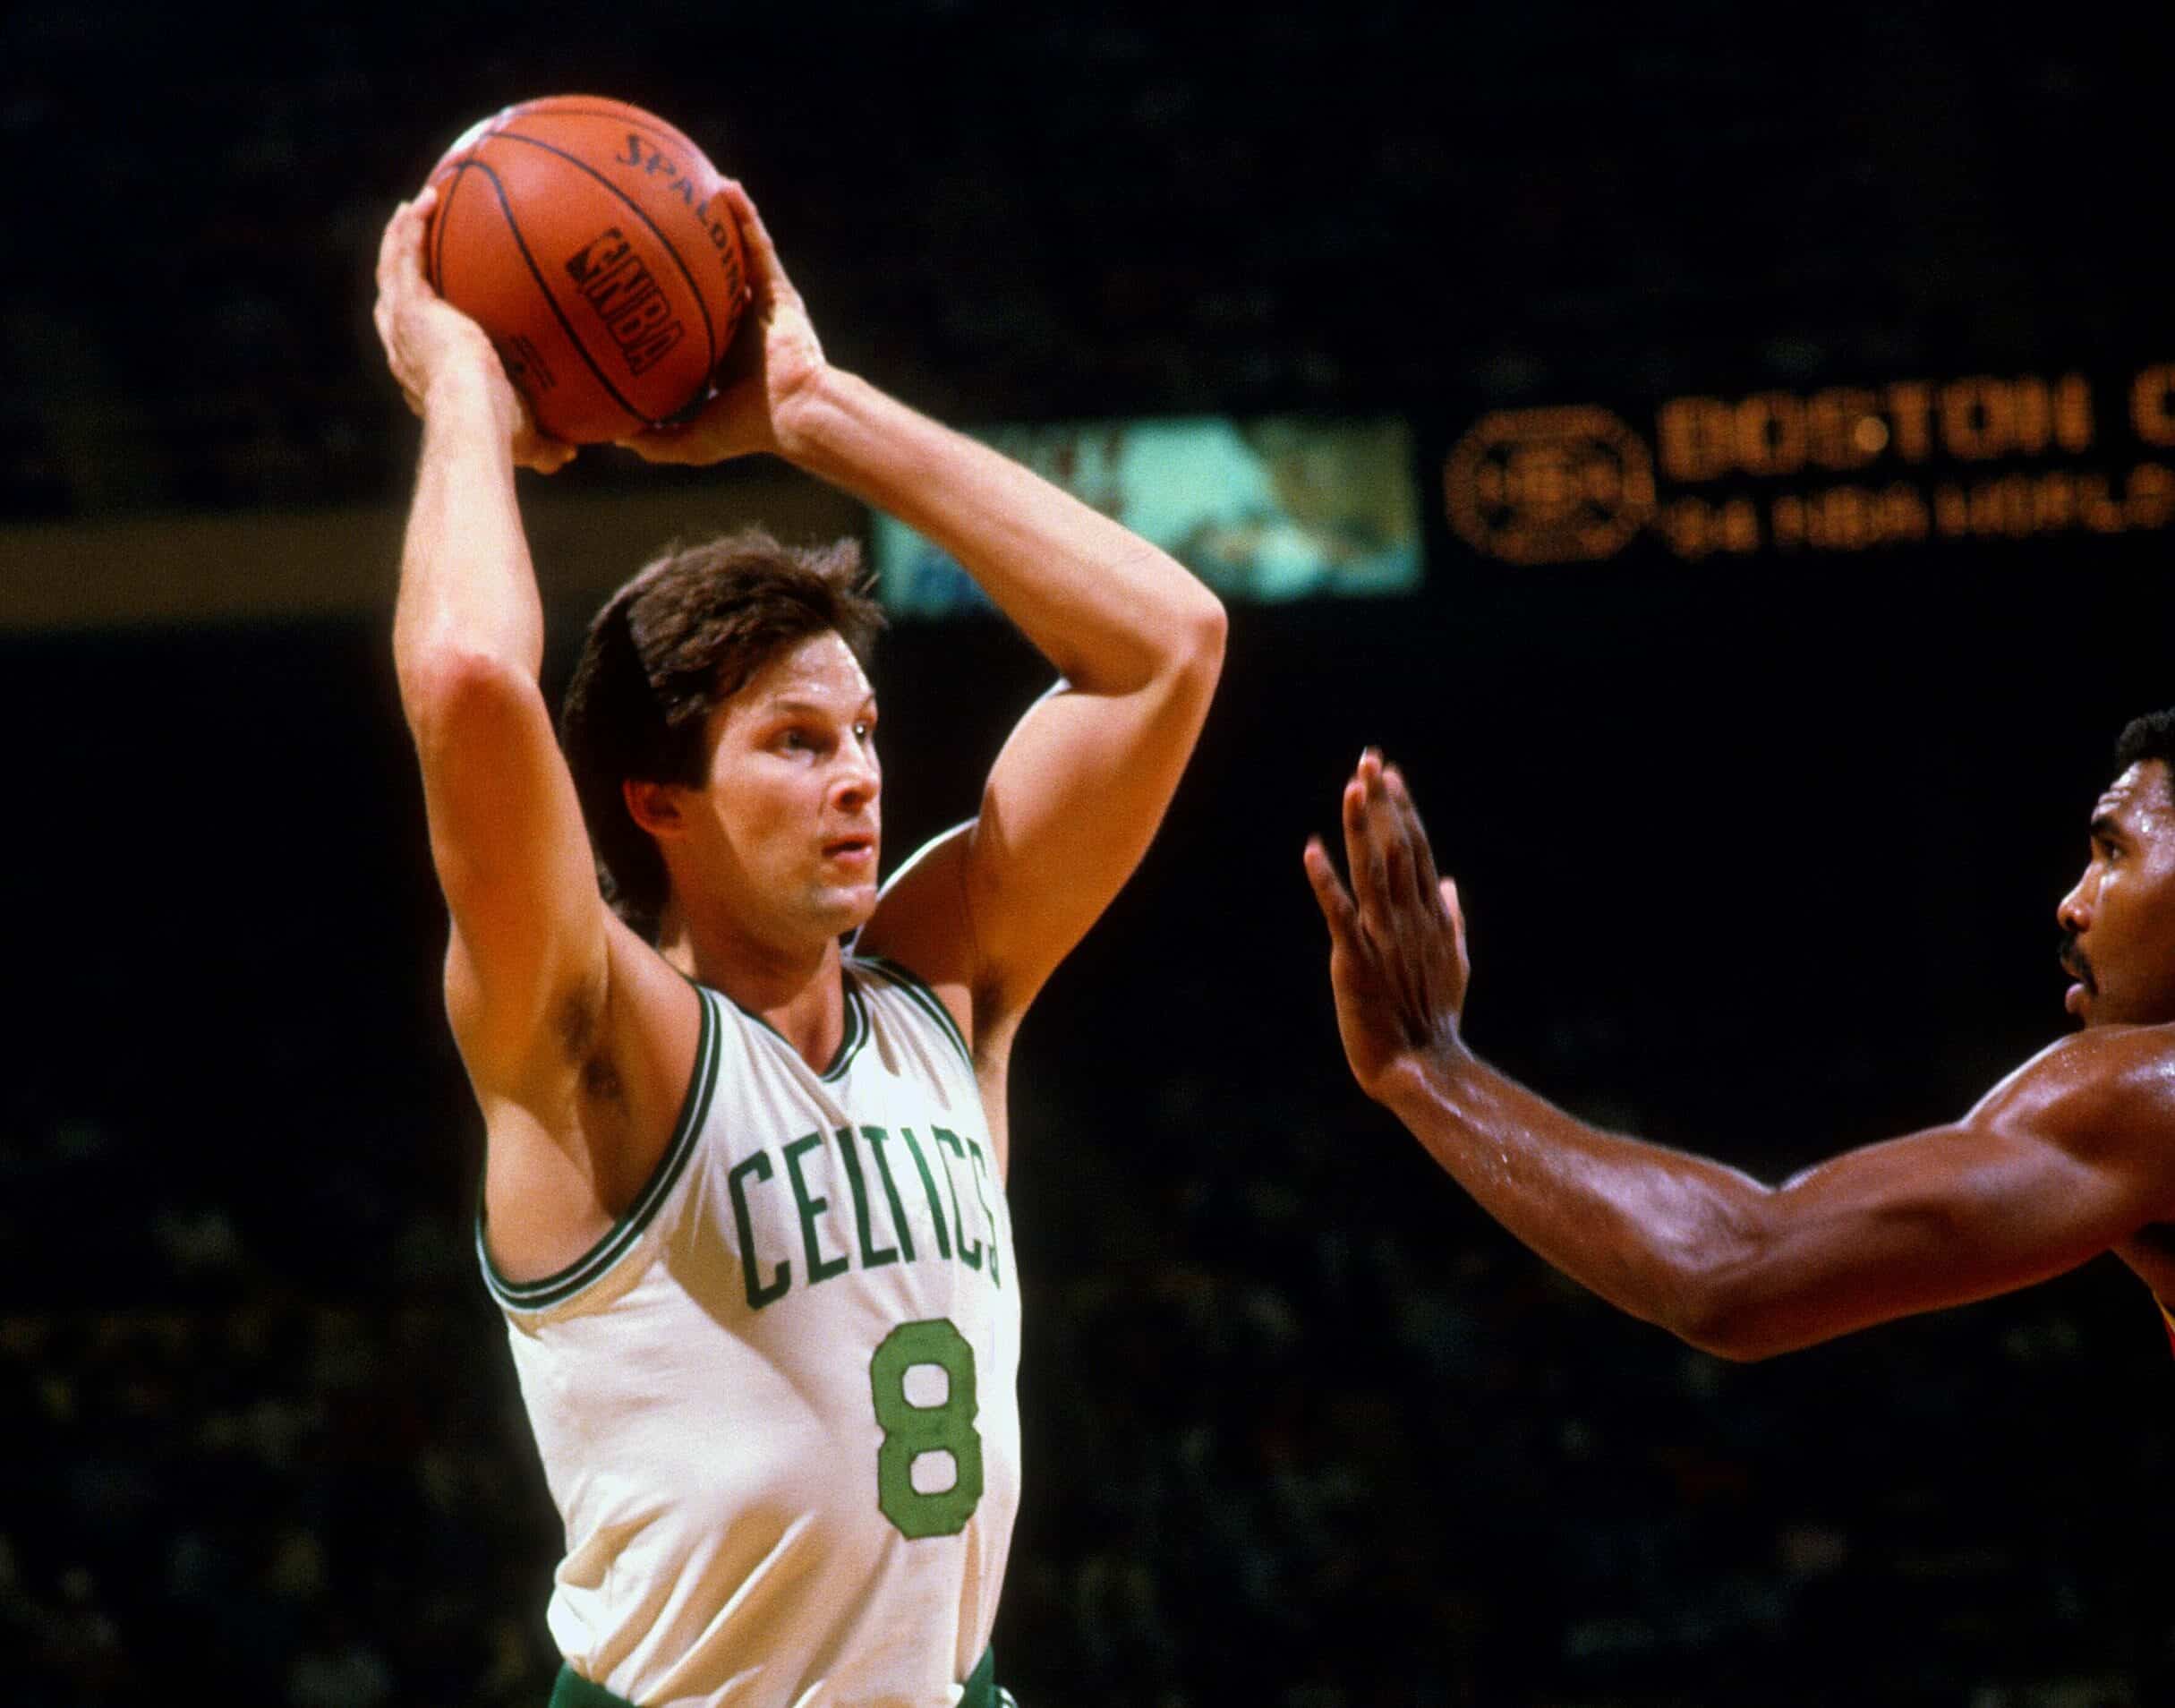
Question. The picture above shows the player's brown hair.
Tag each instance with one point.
(673, 644)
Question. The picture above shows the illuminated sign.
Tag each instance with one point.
(1273, 509)
(1841, 469)
(1550, 485)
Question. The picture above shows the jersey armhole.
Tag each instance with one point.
(923, 997)
(557, 1288)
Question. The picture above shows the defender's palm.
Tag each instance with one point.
(1398, 962)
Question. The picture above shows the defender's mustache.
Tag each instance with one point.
(2077, 964)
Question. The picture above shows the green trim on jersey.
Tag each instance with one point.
(910, 983)
(571, 1690)
(851, 1039)
(554, 1289)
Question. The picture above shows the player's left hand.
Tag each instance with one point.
(1397, 957)
(771, 369)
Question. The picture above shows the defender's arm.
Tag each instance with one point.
(2047, 1175)
(2055, 1166)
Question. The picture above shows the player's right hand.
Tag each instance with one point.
(1397, 957)
(772, 372)
(428, 340)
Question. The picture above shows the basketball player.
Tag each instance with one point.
(743, 1195)
(2070, 1155)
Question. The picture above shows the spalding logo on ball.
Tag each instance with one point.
(590, 239)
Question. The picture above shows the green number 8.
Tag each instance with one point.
(911, 1431)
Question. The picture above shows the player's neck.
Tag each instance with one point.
(794, 988)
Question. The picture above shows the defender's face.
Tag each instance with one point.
(787, 825)
(2119, 923)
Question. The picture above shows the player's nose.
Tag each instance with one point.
(2073, 912)
(858, 781)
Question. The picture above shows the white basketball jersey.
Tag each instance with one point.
(777, 1405)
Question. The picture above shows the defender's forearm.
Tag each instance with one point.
(1655, 1232)
(1110, 610)
(468, 588)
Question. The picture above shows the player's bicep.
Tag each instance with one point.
(1941, 1218)
(1070, 808)
(513, 860)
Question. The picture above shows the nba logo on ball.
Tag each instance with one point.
(614, 282)
(592, 242)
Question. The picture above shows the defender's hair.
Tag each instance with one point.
(673, 644)
(2149, 737)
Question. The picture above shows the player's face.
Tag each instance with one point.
(2119, 923)
(788, 822)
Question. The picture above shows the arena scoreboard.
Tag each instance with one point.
(1838, 469)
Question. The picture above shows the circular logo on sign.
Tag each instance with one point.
(1550, 485)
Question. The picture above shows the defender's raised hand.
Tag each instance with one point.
(1396, 939)
(774, 359)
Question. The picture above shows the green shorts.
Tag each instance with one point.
(571, 1690)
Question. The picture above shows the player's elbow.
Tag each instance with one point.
(1725, 1302)
(1196, 641)
(1744, 1312)
(448, 679)
(1725, 1329)
(450, 690)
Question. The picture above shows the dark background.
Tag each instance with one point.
(1761, 854)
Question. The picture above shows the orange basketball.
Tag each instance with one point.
(590, 239)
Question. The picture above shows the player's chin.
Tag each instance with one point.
(846, 907)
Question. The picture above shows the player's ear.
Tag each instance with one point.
(654, 806)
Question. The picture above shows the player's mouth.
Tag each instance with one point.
(851, 851)
(2074, 964)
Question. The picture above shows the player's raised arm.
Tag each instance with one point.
(2058, 1163)
(529, 926)
(1075, 797)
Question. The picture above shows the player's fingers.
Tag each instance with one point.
(533, 446)
(765, 270)
(388, 245)
(400, 249)
(1462, 954)
(1363, 850)
(545, 456)
(1328, 891)
(1385, 833)
(1398, 865)
(1414, 835)
(660, 445)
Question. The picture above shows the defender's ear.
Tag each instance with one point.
(654, 806)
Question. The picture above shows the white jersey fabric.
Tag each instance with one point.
(777, 1405)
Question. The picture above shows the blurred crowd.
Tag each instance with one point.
(1080, 212)
(1299, 1428)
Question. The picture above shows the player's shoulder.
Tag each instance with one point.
(921, 920)
(2095, 1086)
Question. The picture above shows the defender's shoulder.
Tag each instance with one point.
(2098, 1086)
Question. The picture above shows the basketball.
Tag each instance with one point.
(590, 239)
